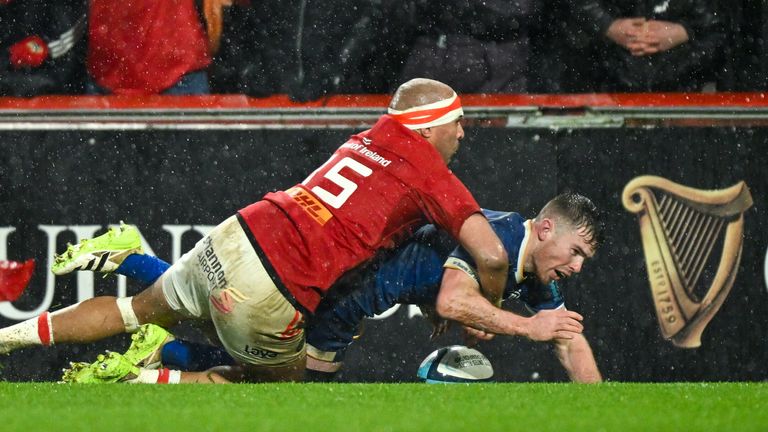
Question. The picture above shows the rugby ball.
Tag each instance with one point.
(455, 364)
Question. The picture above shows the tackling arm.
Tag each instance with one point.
(460, 300)
(481, 242)
(576, 357)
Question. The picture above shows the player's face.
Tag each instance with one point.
(561, 255)
(446, 138)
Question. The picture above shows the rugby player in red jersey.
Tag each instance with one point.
(257, 274)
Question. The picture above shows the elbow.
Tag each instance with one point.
(496, 261)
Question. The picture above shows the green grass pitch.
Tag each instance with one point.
(385, 407)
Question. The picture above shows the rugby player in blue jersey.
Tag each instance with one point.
(426, 271)
(430, 271)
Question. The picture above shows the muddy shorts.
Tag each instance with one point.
(222, 279)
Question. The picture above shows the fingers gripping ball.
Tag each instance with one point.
(455, 364)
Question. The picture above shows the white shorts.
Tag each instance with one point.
(222, 278)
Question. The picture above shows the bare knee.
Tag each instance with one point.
(150, 306)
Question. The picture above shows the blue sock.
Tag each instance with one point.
(194, 356)
(144, 268)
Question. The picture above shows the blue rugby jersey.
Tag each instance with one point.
(513, 231)
(411, 275)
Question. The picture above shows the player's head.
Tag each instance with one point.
(433, 110)
(568, 230)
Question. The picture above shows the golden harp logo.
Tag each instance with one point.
(692, 241)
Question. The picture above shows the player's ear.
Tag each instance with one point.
(546, 229)
(426, 133)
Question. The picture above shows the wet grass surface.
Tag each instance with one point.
(386, 407)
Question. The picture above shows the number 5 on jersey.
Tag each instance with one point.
(334, 175)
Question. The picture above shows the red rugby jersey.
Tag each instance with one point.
(144, 46)
(371, 194)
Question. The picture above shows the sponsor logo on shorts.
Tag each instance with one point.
(293, 328)
(224, 300)
(260, 352)
(211, 265)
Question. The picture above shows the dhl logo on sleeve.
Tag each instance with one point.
(310, 204)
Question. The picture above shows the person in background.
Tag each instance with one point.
(476, 47)
(641, 46)
(146, 47)
(41, 47)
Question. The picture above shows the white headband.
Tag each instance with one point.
(429, 115)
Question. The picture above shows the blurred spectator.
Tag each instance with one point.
(642, 45)
(256, 54)
(547, 32)
(41, 47)
(747, 48)
(140, 47)
(473, 46)
(311, 48)
(342, 48)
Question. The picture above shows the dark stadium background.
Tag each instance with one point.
(79, 170)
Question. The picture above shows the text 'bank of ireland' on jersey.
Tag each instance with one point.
(373, 192)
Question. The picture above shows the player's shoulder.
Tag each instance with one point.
(496, 217)
(509, 226)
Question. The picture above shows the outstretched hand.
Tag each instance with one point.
(547, 325)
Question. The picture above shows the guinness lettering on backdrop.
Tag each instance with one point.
(681, 227)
